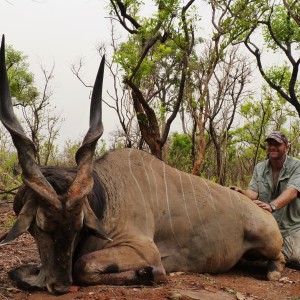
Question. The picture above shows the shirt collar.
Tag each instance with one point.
(284, 164)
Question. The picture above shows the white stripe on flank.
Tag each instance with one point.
(154, 177)
(184, 200)
(233, 208)
(148, 180)
(140, 190)
(198, 211)
(217, 220)
(168, 204)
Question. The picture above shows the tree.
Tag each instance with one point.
(228, 89)
(35, 105)
(215, 88)
(278, 24)
(42, 123)
(120, 100)
(293, 8)
(21, 81)
(259, 118)
(155, 61)
(214, 114)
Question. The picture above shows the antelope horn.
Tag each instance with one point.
(83, 182)
(31, 173)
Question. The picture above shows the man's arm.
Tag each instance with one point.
(282, 200)
(249, 193)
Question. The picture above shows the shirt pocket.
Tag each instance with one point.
(283, 184)
(264, 190)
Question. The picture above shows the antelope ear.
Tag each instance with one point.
(92, 222)
(24, 220)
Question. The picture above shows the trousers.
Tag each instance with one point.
(291, 249)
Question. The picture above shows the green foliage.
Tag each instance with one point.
(9, 172)
(128, 56)
(240, 18)
(101, 148)
(179, 153)
(8, 221)
(284, 29)
(22, 90)
(163, 59)
(67, 156)
(280, 76)
(21, 80)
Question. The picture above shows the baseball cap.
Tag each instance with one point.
(277, 136)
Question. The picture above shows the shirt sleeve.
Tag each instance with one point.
(253, 185)
(294, 181)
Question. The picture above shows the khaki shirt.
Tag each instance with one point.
(288, 217)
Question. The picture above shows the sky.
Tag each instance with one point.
(61, 32)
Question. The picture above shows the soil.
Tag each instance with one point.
(246, 281)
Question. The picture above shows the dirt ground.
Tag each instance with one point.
(246, 281)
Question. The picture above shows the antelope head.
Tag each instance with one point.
(55, 220)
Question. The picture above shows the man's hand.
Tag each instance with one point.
(250, 194)
(236, 188)
(282, 200)
(263, 205)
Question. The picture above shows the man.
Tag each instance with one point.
(275, 187)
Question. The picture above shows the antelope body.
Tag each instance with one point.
(127, 218)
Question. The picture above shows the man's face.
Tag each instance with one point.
(276, 150)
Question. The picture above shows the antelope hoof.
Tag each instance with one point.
(274, 275)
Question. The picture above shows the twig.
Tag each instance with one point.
(20, 261)
(11, 191)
